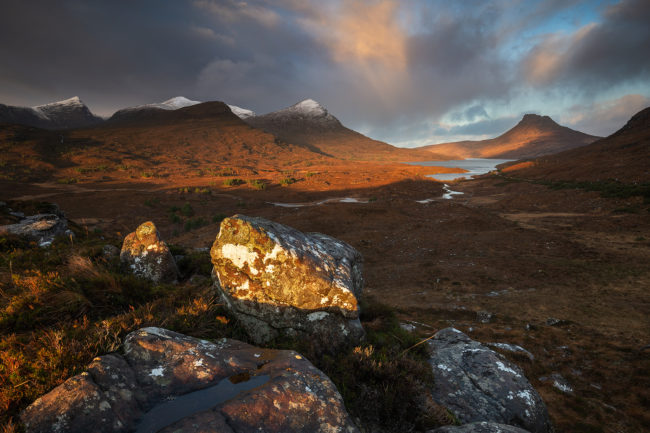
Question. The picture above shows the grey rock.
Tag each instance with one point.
(110, 251)
(552, 321)
(279, 281)
(479, 427)
(484, 316)
(145, 255)
(168, 382)
(559, 382)
(514, 348)
(478, 384)
(41, 228)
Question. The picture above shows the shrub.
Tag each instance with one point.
(218, 218)
(195, 223)
(287, 181)
(67, 180)
(187, 210)
(233, 182)
(257, 184)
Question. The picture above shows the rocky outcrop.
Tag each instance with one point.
(170, 382)
(146, 256)
(479, 427)
(477, 384)
(277, 280)
(41, 228)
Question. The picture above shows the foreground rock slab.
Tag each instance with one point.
(479, 427)
(477, 384)
(41, 228)
(169, 382)
(145, 255)
(279, 281)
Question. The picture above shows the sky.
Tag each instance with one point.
(409, 72)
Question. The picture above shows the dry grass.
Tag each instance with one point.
(59, 308)
(62, 307)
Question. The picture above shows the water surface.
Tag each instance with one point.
(474, 167)
(169, 412)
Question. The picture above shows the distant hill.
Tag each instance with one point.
(309, 124)
(67, 114)
(204, 132)
(144, 112)
(532, 137)
(623, 156)
(205, 137)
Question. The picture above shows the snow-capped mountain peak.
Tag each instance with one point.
(69, 113)
(178, 102)
(242, 113)
(309, 107)
(71, 102)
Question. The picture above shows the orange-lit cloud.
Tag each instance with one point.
(365, 37)
(547, 59)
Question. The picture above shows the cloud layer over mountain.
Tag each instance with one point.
(409, 73)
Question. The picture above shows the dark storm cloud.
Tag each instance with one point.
(597, 55)
(115, 51)
(391, 69)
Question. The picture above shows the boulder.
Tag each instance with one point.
(170, 382)
(478, 384)
(110, 251)
(41, 228)
(146, 256)
(479, 427)
(279, 281)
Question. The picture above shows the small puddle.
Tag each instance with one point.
(318, 203)
(181, 407)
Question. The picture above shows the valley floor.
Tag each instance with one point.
(562, 273)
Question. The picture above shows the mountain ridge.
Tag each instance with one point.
(66, 114)
(621, 157)
(310, 124)
(533, 136)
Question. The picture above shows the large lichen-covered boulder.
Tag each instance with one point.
(279, 281)
(145, 255)
(479, 427)
(478, 384)
(169, 382)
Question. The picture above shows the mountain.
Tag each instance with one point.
(143, 112)
(197, 137)
(67, 114)
(242, 113)
(146, 111)
(623, 156)
(532, 137)
(23, 116)
(309, 124)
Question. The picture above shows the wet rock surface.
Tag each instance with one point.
(279, 281)
(479, 427)
(477, 384)
(145, 255)
(40, 228)
(170, 382)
